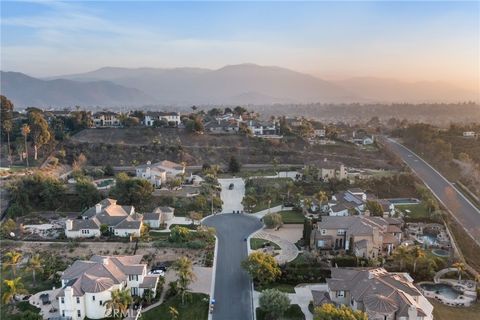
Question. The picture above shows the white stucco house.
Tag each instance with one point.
(87, 285)
(106, 119)
(122, 221)
(158, 216)
(172, 118)
(158, 173)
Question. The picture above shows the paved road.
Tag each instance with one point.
(233, 287)
(232, 199)
(464, 211)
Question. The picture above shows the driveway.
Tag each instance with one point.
(233, 287)
(232, 199)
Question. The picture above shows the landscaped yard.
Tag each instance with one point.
(8, 312)
(293, 313)
(195, 308)
(256, 243)
(415, 211)
(284, 287)
(443, 312)
(292, 217)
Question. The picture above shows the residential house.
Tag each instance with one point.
(469, 134)
(172, 118)
(362, 138)
(382, 295)
(158, 216)
(122, 221)
(263, 128)
(106, 119)
(159, 172)
(346, 202)
(319, 133)
(364, 236)
(222, 126)
(331, 170)
(88, 284)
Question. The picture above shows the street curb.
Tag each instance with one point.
(249, 250)
(212, 284)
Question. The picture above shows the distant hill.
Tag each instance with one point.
(244, 83)
(390, 90)
(26, 91)
(230, 85)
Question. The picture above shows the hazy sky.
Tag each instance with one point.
(405, 40)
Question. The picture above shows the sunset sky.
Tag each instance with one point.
(410, 41)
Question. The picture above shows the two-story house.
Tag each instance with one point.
(87, 285)
(106, 119)
(381, 294)
(171, 118)
(158, 173)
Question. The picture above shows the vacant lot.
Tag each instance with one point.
(124, 146)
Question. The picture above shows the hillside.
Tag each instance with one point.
(26, 91)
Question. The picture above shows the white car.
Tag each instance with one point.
(161, 273)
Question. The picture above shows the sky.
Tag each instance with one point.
(407, 40)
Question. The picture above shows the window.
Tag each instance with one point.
(63, 313)
(341, 293)
(93, 298)
(78, 299)
(100, 302)
(324, 231)
(79, 314)
(62, 300)
(341, 232)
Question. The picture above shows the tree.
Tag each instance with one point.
(307, 232)
(132, 191)
(104, 231)
(40, 130)
(375, 208)
(6, 115)
(195, 216)
(35, 264)
(12, 259)
(12, 288)
(274, 303)
(173, 312)
(184, 269)
(417, 253)
(261, 267)
(249, 202)
(233, 165)
(25, 132)
(179, 234)
(88, 194)
(401, 254)
(148, 295)
(273, 220)
(108, 170)
(460, 266)
(328, 311)
(321, 197)
(118, 304)
(8, 227)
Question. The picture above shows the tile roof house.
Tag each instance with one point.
(345, 202)
(121, 220)
(381, 294)
(106, 119)
(158, 216)
(158, 173)
(87, 285)
(365, 236)
(222, 126)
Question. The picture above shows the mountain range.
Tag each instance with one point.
(231, 85)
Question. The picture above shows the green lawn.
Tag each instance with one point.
(284, 287)
(443, 312)
(292, 217)
(293, 313)
(417, 211)
(256, 243)
(195, 308)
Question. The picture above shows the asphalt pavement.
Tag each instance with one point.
(232, 199)
(460, 207)
(233, 287)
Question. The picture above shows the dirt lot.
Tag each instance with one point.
(84, 250)
(122, 146)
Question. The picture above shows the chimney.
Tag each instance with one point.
(367, 213)
(69, 224)
(105, 261)
(98, 208)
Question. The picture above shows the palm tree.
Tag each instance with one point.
(417, 253)
(401, 254)
(12, 259)
(183, 267)
(7, 127)
(321, 197)
(173, 313)
(35, 264)
(25, 132)
(117, 306)
(460, 266)
(12, 288)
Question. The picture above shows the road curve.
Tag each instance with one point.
(460, 207)
(233, 287)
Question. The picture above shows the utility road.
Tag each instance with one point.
(460, 207)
